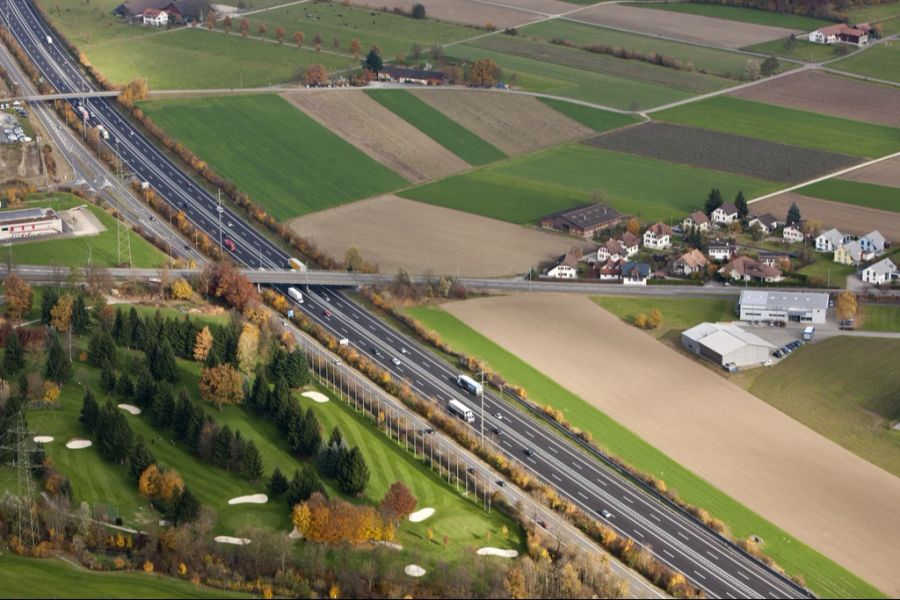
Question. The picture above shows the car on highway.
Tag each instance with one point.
(497, 430)
(375, 351)
(606, 514)
(404, 351)
(396, 361)
(327, 313)
(229, 243)
(501, 483)
(528, 452)
(498, 416)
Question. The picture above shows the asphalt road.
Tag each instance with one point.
(705, 558)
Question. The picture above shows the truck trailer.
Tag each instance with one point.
(295, 294)
(469, 384)
(461, 410)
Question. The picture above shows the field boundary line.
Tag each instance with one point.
(825, 177)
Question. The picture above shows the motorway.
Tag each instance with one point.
(706, 559)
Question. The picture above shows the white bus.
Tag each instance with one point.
(461, 410)
(295, 294)
(469, 384)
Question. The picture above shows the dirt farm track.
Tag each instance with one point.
(839, 504)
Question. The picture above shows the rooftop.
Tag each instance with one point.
(784, 300)
(589, 215)
(724, 338)
(26, 214)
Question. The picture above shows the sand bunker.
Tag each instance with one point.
(43, 439)
(505, 553)
(316, 397)
(130, 408)
(414, 570)
(227, 539)
(421, 515)
(77, 444)
(254, 499)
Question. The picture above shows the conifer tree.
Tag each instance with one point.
(353, 473)
(90, 411)
(278, 483)
(14, 356)
(58, 367)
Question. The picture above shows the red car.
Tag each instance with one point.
(230, 245)
(327, 313)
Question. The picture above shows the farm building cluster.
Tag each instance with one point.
(856, 35)
(160, 13)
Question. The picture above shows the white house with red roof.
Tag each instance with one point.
(155, 17)
(841, 32)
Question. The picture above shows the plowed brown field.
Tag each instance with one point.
(514, 123)
(422, 238)
(887, 172)
(838, 503)
(379, 133)
(462, 11)
(858, 220)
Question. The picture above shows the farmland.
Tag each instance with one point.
(886, 172)
(446, 132)
(274, 152)
(822, 575)
(744, 15)
(710, 60)
(777, 124)
(524, 189)
(473, 12)
(858, 220)
(830, 95)
(855, 192)
(844, 388)
(596, 119)
(198, 59)
(881, 62)
(797, 49)
(86, 23)
(722, 152)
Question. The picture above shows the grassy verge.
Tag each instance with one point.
(855, 192)
(822, 575)
(596, 119)
(678, 313)
(880, 317)
(433, 123)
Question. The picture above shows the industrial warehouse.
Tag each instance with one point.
(29, 222)
(726, 345)
(783, 306)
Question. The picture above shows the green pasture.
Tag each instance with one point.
(678, 314)
(739, 13)
(855, 192)
(880, 317)
(594, 118)
(880, 62)
(800, 49)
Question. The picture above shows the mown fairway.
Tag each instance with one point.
(744, 15)
(199, 59)
(845, 388)
(289, 164)
(717, 62)
(394, 34)
(881, 62)
(823, 576)
(596, 119)
(433, 123)
(779, 124)
(55, 578)
(98, 249)
(522, 190)
(855, 192)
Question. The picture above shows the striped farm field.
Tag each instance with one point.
(288, 163)
(522, 190)
(740, 13)
(779, 124)
(595, 118)
(855, 192)
(445, 131)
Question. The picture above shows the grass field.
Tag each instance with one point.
(596, 119)
(831, 272)
(822, 575)
(55, 578)
(845, 388)
(86, 23)
(710, 60)
(289, 164)
(875, 13)
(446, 132)
(99, 249)
(678, 313)
(522, 190)
(394, 34)
(199, 59)
(881, 62)
(803, 50)
(778, 124)
(880, 317)
(738, 13)
(855, 192)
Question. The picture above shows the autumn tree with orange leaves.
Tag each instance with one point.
(221, 385)
(399, 501)
(19, 297)
(227, 283)
(315, 76)
(484, 72)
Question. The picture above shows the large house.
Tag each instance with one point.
(611, 270)
(584, 221)
(792, 234)
(565, 268)
(830, 241)
(719, 250)
(850, 253)
(696, 220)
(657, 236)
(745, 268)
(841, 32)
(630, 243)
(725, 214)
(417, 76)
(767, 223)
(873, 243)
(881, 272)
(778, 305)
(611, 250)
(689, 262)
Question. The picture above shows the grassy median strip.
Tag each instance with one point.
(822, 575)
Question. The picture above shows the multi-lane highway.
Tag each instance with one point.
(705, 558)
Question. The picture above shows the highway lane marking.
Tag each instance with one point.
(556, 477)
(667, 553)
(655, 517)
(582, 495)
(602, 482)
(697, 573)
(683, 536)
(627, 498)
(713, 555)
(742, 574)
(638, 532)
(729, 594)
(553, 450)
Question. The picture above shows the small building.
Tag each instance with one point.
(584, 221)
(29, 222)
(783, 306)
(566, 267)
(767, 223)
(696, 220)
(610, 270)
(873, 243)
(830, 241)
(841, 32)
(657, 236)
(880, 273)
(792, 234)
(635, 273)
(630, 243)
(744, 268)
(415, 76)
(611, 250)
(155, 17)
(726, 345)
(719, 250)
(689, 263)
(850, 253)
(725, 214)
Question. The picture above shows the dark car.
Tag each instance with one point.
(375, 352)
(501, 483)
(497, 431)
(528, 452)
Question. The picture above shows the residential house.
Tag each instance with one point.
(611, 270)
(767, 223)
(851, 253)
(873, 243)
(689, 262)
(696, 220)
(719, 250)
(744, 268)
(611, 250)
(657, 236)
(881, 272)
(416, 76)
(841, 32)
(635, 273)
(630, 243)
(792, 234)
(565, 268)
(830, 241)
(725, 214)
(584, 221)
(156, 17)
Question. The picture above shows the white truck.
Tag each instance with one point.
(295, 294)
(808, 333)
(461, 410)
(49, 40)
(469, 384)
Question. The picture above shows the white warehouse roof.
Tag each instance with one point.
(784, 301)
(724, 338)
